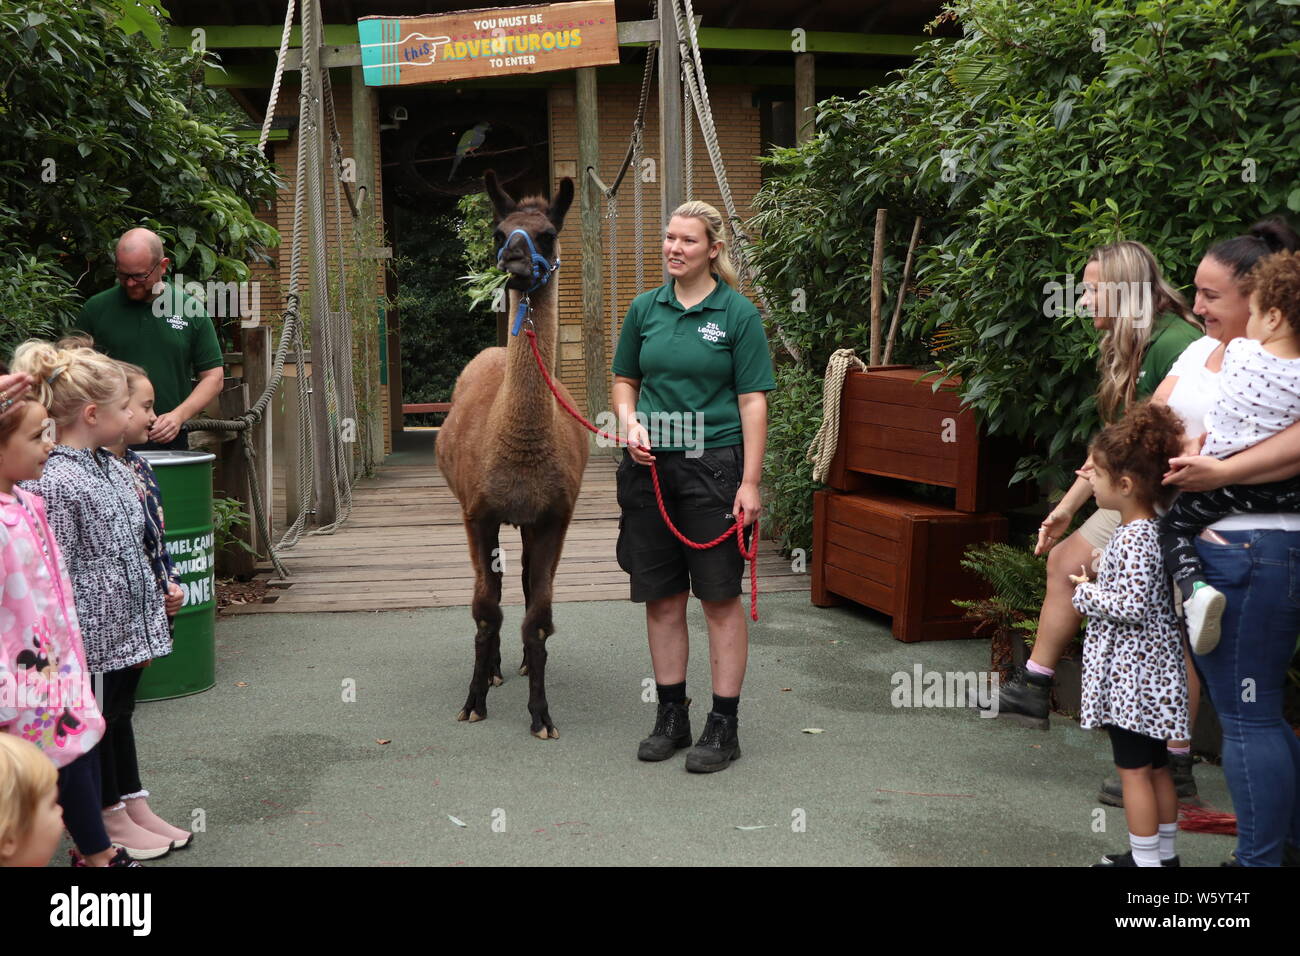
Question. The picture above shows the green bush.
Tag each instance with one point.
(441, 328)
(101, 131)
(1047, 128)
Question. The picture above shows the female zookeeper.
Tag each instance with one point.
(691, 352)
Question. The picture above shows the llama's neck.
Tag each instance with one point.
(528, 402)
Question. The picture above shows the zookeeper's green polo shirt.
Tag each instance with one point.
(173, 348)
(1171, 335)
(694, 360)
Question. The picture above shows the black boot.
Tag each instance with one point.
(1025, 698)
(672, 732)
(1180, 765)
(717, 746)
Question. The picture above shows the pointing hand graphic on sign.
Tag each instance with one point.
(418, 49)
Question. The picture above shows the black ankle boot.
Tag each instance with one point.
(1025, 698)
(1180, 766)
(672, 732)
(717, 746)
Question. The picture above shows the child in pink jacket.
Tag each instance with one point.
(45, 689)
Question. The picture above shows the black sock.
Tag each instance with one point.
(1188, 585)
(727, 706)
(671, 693)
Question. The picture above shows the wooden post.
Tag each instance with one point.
(805, 98)
(364, 189)
(595, 361)
(325, 435)
(902, 289)
(877, 279)
(230, 480)
(257, 370)
(670, 118)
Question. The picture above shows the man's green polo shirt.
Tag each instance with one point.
(1171, 335)
(173, 347)
(695, 360)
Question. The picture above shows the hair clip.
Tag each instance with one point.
(57, 372)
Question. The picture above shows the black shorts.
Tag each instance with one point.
(1133, 750)
(698, 493)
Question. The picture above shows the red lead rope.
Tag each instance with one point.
(737, 529)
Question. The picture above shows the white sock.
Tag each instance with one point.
(1168, 831)
(1146, 849)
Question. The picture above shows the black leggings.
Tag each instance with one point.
(82, 807)
(119, 772)
(1132, 750)
(1193, 511)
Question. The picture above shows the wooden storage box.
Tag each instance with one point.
(894, 424)
(901, 557)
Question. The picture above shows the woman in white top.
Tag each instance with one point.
(1250, 558)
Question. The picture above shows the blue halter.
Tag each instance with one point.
(541, 272)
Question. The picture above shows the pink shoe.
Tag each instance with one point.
(139, 843)
(137, 807)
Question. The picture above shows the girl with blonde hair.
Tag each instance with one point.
(30, 819)
(99, 524)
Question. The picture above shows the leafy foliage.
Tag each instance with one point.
(1049, 127)
(101, 131)
(1019, 582)
(441, 328)
(484, 278)
(228, 517)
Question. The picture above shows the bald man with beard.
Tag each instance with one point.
(176, 345)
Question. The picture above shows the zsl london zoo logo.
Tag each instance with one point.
(710, 332)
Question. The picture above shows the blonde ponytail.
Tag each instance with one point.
(67, 380)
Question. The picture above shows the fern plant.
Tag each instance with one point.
(1019, 582)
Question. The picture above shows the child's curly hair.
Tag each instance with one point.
(1140, 445)
(1275, 283)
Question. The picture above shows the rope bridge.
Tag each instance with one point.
(332, 348)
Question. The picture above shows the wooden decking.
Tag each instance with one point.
(404, 547)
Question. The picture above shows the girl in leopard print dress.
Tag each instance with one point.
(1134, 676)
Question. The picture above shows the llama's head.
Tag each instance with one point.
(541, 219)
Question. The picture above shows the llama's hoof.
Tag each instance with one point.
(497, 680)
(547, 733)
(523, 670)
(471, 715)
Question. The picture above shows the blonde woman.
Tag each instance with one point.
(691, 351)
(1145, 325)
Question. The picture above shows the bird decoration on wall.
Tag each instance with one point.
(470, 140)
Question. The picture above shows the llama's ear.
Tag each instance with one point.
(561, 203)
(502, 204)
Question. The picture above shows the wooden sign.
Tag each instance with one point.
(493, 42)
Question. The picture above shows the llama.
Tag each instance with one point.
(512, 455)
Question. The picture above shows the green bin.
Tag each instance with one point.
(185, 479)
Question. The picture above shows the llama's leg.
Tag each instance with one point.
(544, 545)
(486, 608)
(528, 599)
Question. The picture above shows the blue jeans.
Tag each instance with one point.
(1259, 573)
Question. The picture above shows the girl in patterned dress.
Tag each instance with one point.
(1134, 675)
(97, 520)
(155, 549)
